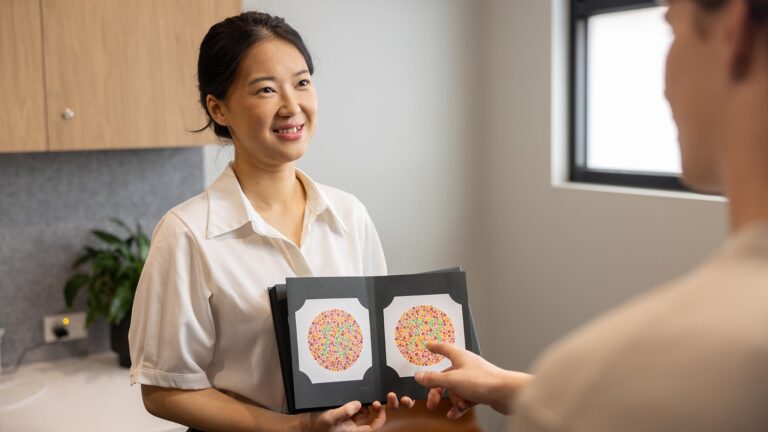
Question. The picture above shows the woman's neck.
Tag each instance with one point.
(269, 189)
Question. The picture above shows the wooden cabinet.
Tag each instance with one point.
(22, 111)
(117, 74)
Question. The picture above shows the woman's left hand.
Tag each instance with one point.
(395, 403)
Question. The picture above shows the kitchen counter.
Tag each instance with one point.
(80, 394)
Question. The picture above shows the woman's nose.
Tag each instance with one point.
(290, 105)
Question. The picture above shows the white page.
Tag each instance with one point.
(404, 337)
(339, 332)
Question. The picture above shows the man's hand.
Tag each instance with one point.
(470, 380)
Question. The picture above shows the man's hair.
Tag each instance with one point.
(758, 9)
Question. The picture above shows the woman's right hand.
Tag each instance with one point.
(351, 417)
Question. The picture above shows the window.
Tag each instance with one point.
(622, 132)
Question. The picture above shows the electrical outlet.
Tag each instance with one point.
(74, 323)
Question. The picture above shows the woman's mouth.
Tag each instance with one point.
(290, 132)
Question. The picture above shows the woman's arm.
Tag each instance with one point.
(212, 410)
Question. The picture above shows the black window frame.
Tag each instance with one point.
(580, 12)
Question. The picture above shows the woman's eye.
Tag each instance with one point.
(266, 90)
(304, 83)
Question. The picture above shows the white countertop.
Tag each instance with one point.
(80, 394)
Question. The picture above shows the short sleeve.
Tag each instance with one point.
(374, 263)
(172, 332)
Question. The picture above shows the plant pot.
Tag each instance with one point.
(119, 341)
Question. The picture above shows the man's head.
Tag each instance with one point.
(719, 46)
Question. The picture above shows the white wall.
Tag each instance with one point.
(395, 93)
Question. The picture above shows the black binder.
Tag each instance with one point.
(374, 294)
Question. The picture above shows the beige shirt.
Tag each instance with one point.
(689, 356)
(201, 316)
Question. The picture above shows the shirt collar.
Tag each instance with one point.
(229, 208)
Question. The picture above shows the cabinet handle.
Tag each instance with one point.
(68, 114)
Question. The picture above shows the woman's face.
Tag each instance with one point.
(696, 84)
(271, 107)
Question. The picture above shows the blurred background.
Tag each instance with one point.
(451, 120)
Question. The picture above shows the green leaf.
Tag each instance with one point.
(107, 237)
(143, 243)
(121, 224)
(115, 269)
(121, 302)
(73, 286)
(123, 250)
(85, 257)
(97, 305)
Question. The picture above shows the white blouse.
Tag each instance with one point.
(201, 316)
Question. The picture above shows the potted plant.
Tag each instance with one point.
(110, 280)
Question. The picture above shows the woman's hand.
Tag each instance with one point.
(394, 403)
(351, 417)
(470, 380)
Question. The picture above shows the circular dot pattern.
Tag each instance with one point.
(335, 340)
(419, 325)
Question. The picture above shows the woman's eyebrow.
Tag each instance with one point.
(271, 78)
(255, 80)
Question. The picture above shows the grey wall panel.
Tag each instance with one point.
(49, 203)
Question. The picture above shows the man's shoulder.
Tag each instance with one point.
(665, 352)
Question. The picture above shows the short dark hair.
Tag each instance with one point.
(758, 9)
(223, 48)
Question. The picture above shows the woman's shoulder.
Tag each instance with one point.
(344, 203)
(185, 218)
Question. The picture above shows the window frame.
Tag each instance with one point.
(580, 12)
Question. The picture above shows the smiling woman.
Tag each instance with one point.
(202, 342)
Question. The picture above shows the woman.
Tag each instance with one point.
(202, 339)
(690, 355)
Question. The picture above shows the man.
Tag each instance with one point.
(691, 355)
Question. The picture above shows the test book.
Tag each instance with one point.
(359, 338)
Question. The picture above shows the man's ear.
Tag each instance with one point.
(742, 36)
(217, 110)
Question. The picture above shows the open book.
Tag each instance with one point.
(358, 338)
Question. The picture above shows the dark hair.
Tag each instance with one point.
(758, 9)
(223, 48)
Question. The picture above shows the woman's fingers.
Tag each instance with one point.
(379, 416)
(392, 401)
(343, 412)
(361, 417)
(407, 402)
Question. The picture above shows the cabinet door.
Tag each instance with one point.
(22, 112)
(122, 74)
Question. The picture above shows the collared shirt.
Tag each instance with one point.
(201, 315)
(689, 356)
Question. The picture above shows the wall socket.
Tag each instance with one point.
(73, 322)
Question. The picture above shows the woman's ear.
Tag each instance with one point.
(217, 110)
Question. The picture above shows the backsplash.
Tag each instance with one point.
(49, 202)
